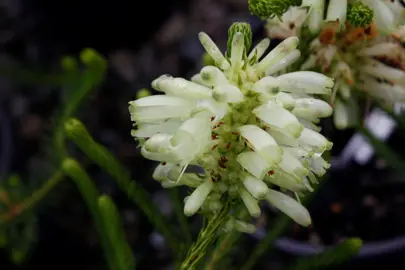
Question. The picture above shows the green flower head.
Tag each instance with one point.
(270, 8)
(243, 28)
(359, 14)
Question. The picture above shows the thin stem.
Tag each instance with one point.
(222, 249)
(182, 219)
(226, 243)
(205, 238)
(32, 200)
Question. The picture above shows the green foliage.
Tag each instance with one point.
(266, 9)
(144, 92)
(19, 236)
(336, 255)
(76, 131)
(90, 195)
(78, 83)
(206, 237)
(243, 28)
(358, 14)
(121, 250)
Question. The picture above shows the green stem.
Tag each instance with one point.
(205, 238)
(77, 132)
(90, 195)
(35, 198)
(227, 242)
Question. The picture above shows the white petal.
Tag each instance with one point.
(197, 79)
(254, 164)
(262, 143)
(192, 138)
(383, 16)
(165, 172)
(197, 198)
(292, 166)
(147, 130)
(315, 15)
(284, 62)
(277, 54)
(227, 93)
(285, 181)
(181, 88)
(238, 45)
(259, 49)
(250, 203)
(341, 116)
(305, 82)
(382, 71)
(337, 11)
(314, 139)
(159, 107)
(309, 124)
(158, 148)
(290, 207)
(319, 165)
(213, 50)
(312, 108)
(212, 76)
(283, 138)
(256, 187)
(267, 85)
(275, 115)
(286, 100)
(379, 49)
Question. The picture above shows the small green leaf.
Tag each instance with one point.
(124, 258)
(339, 254)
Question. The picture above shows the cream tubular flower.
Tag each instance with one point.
(234, 121)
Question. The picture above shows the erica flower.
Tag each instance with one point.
(289, 25)
(386, 14)
(244, 128)
(359, 58)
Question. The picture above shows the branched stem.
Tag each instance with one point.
(205, 238)
(32, 200)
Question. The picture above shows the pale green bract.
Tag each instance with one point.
(244, 127)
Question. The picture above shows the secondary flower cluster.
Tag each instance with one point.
(359, 58)
(248, 131)
(352, 46)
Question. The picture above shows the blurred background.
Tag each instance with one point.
(364, 195)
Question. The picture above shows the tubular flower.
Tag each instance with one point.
(359, 58)
(386, 15)
(290, 24)
(244, 128)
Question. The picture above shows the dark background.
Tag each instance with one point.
(141, 40)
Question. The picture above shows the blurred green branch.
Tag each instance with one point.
(77, 132)
(106, 223)
(31, 201)
(333, 256)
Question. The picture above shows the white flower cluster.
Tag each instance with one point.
(376, 67)
(388, 14)
(247, 130)
(361, 58)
